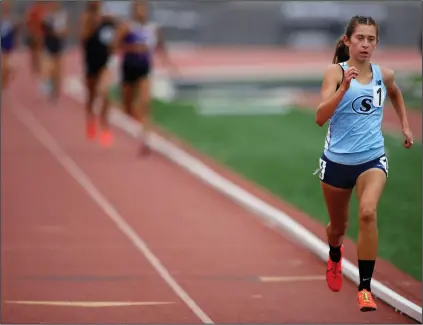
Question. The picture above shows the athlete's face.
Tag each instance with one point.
(140, 11)
(362, 42)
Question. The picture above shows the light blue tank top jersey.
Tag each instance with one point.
(354, 134)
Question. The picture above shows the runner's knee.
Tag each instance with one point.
(367, 214)
(338, 230)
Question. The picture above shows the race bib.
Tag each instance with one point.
(378, 95)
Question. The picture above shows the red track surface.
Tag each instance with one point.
(59, 245)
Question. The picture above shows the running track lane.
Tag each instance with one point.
(57, 245)
(214, 249)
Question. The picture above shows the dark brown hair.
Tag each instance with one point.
(342, 52)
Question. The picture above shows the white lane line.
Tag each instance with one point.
(45, 138)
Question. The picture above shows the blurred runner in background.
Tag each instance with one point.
(34, 19)
(139, 39)
(55, 30)
(9, 31)
(97, 35)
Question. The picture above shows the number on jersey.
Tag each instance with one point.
(378, 96)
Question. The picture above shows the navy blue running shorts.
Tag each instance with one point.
(345, 176)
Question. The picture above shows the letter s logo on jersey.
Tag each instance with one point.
(363, 105)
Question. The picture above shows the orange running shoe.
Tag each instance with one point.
(106, 138)
(365, 301)
(334, 273)
(91, 129)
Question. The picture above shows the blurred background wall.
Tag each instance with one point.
(305, 24)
